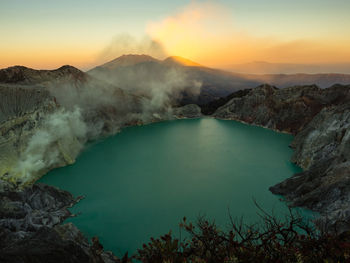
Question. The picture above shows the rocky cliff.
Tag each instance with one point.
(287, 110)
(322, 149)
(187, 111)
(31, 229)
(46, 116)
(320, 119)
(21, 113)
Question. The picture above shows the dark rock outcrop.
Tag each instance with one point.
(322, 149)
(187, 111)
(287, 110)
(211, 107)
(31, 230)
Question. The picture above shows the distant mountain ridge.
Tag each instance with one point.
(263, 67)
(133, 72)
(136, 69)
(24, 75)
(176, 60)
(289, 80)
(133, 59)
(127, 60)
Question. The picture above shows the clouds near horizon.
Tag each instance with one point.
(207, 33)
(48, 34)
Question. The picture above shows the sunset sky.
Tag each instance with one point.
(85, 33)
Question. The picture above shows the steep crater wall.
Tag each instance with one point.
(21, 113)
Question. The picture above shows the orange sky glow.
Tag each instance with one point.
(205, 32)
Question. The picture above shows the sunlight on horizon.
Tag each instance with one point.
(214, 34)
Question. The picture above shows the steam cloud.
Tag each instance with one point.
(100, 104)
(158, 85)
(163, 93)
(58, 141)
(126, 44)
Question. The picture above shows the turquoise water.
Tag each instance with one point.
(144, 180)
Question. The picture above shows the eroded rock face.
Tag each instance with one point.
(287, 110)
(46, 116)
(187, 111)
(323, 150)
(21, 112)
(326, 136)
(36, 133)
(320, 119)
(31, 230)
(34, 207)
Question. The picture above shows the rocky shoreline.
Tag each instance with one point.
(322, 149)
(32, 216)
(31, 228)
(320, 121)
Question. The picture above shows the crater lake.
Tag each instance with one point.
(141, 182)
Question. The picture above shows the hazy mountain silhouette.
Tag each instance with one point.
(131, 71)
(262, 67)
(190, 82)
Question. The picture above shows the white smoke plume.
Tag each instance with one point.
(162, 93)
(126, 44)
(160, 85)
(96, 105)
(57, 142)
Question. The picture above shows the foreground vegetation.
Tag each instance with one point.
(274, 240)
